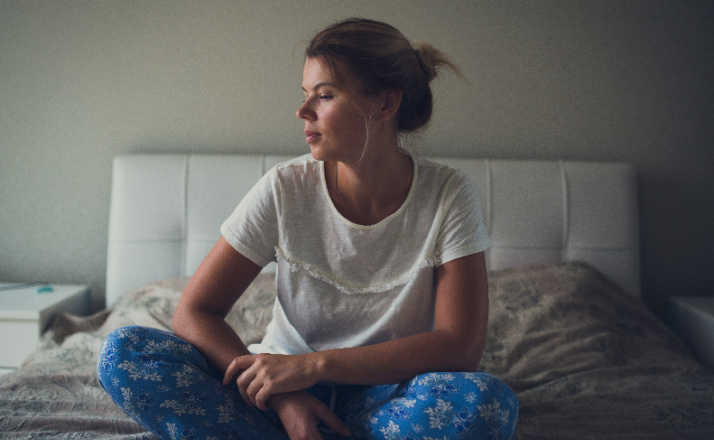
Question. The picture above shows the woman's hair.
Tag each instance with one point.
(383, 59)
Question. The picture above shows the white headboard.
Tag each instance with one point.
(166, 211)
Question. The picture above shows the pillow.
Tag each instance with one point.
(154, 305)
(548, 321)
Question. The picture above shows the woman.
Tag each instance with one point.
(381, 315)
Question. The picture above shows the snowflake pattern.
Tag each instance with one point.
(493, 413)
(400, 408)
(226, 411)
(172, 429)
(133, 405)
(398, 412)
(434, 378)
(462, 421)
(108, 357)
(391, 431)
(136, 373)
(438, 415)
(441, 389)
(126, 395)
(167, 346)
(127, 333)
(478, 380)
(184, 378)
(176, 395)
(191, 407)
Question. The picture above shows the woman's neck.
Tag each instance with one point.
(373, 189)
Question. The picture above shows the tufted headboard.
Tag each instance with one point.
(166, 211)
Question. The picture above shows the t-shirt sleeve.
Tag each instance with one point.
(463, 231)
(252, 228)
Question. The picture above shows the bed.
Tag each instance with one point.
(567, 329)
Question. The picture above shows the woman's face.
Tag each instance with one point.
(334, 111)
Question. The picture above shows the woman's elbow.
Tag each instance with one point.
(176, 324)
(468, 357)
(473, 356)
(465, 352)
(180, 321)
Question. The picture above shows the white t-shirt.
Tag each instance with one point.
(342, 284)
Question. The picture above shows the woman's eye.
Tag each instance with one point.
(326, 96)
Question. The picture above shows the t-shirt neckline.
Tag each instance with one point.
(385, 220)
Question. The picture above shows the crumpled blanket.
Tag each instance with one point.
(585, 359)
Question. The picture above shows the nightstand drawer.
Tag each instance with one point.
(18, 338)
(25, 315)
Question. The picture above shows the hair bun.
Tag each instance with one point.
(428, 59)
(431, 59)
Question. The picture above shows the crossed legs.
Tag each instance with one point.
(166, 384)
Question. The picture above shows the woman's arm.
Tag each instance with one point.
(456, 344)
(216, 285)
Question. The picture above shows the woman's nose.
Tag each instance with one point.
(305, 112)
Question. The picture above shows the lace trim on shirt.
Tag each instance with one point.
(345, 286)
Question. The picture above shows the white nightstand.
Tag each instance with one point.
(25, 314)
(693, 319)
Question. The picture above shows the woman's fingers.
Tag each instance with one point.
(262, 396)
(237, 364)
(246, 379)
(254, 389)
(263, 375)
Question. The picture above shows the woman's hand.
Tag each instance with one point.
(300, 412)
(264, 375)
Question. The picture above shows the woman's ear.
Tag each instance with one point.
(390, 100)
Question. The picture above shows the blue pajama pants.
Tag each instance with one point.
(167, 385)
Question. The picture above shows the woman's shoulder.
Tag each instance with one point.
(436, 174)
(296, 180)
(299, 168)
(445, 184)
(295, 164)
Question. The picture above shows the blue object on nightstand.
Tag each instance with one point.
(47, 287)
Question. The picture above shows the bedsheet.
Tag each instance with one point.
(585, 359)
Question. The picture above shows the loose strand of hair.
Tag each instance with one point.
(434, 59)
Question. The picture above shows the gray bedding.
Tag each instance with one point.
(585, 359)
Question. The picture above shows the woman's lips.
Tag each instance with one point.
(311, 136)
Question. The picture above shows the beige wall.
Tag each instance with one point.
(83, 81)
